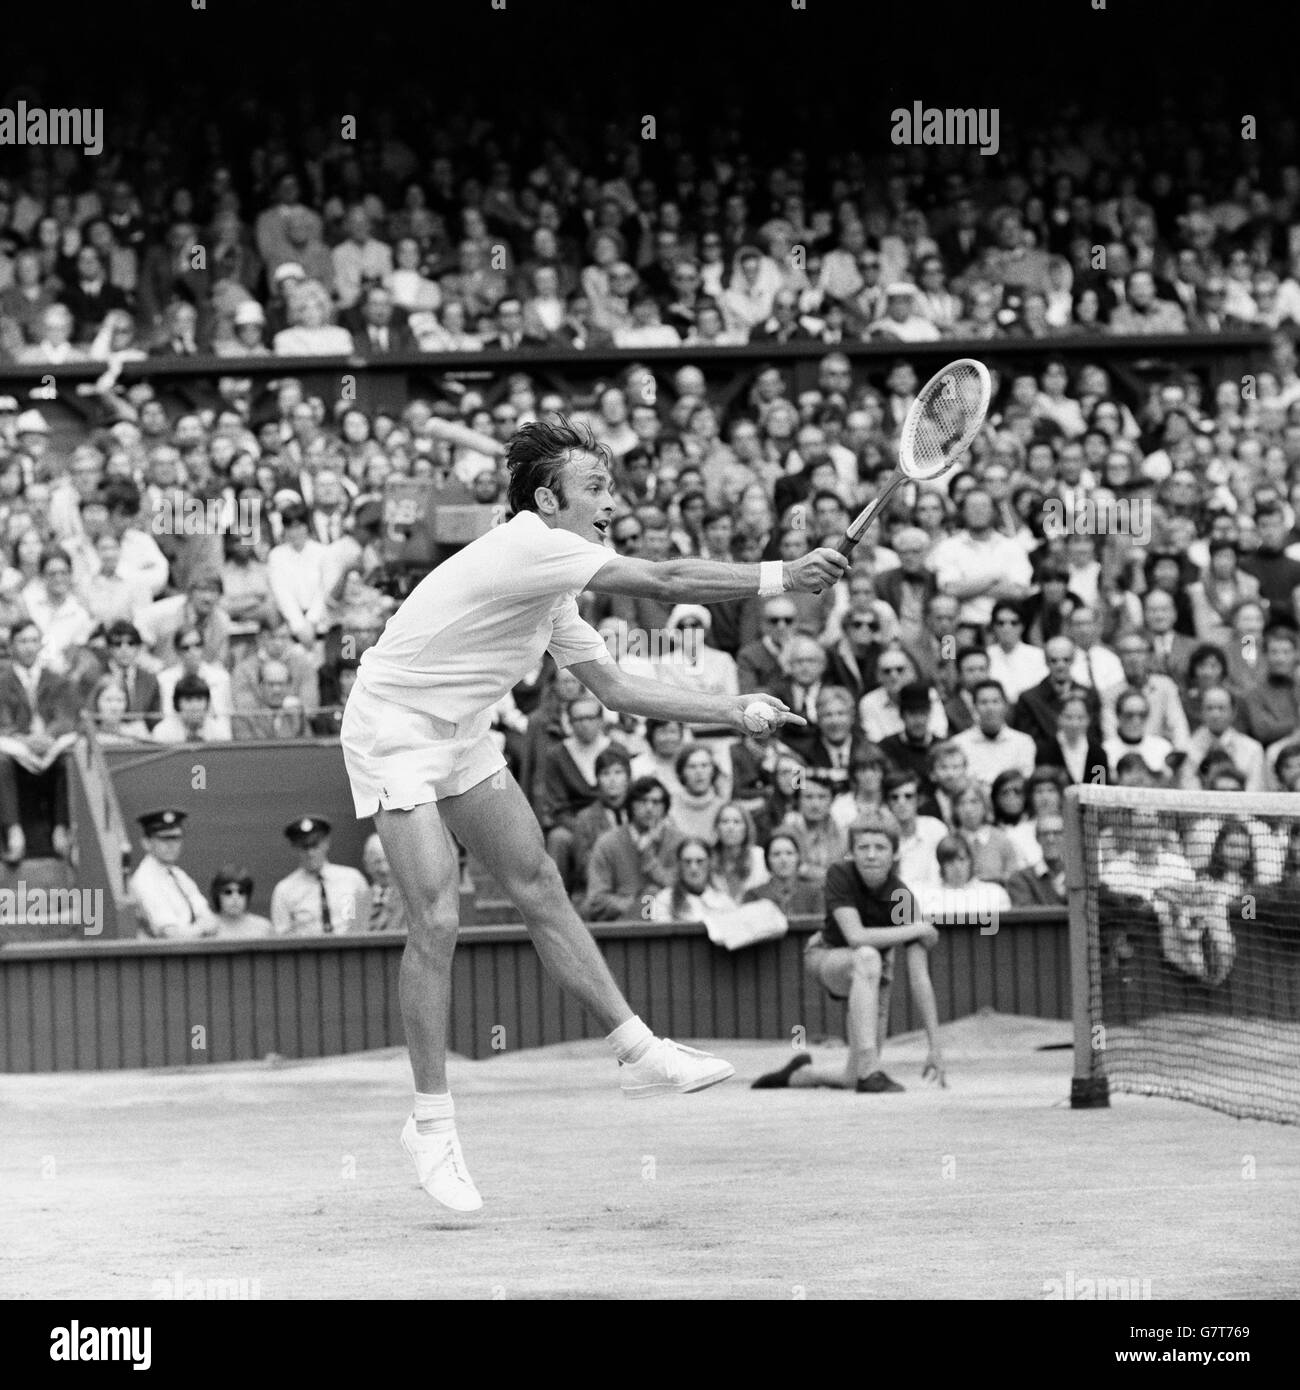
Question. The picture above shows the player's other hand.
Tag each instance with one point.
(781, 713)
(817, 570)
(927, 935)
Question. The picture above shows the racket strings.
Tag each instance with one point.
(948, 416)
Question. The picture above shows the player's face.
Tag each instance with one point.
(873, 856)
(590, 500)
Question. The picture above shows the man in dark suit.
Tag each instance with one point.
(378, 328)
(90, 296)
(806, 662)
(962, 240)
(1073, 747)
(836, 741)
(911, 750)
(1170, 650)
(760, 664)
(578, 332)
(143, 697)
(935, 649)
(908, 588)
(972, 668)
(1037, 708)
(38, 708)
(1042, 885)
(511, 333)
(184, 333)
(851, 661)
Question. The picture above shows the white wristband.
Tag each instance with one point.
(771, 578)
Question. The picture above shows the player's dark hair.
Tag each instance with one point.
(536, 456)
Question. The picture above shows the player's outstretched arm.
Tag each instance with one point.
(713, 581)
(617, 690)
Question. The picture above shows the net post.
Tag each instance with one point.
(1087, 1091)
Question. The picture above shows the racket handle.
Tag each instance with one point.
(846, 543)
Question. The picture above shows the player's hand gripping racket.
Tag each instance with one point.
(943, 419)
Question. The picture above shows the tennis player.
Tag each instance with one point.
(415, 737)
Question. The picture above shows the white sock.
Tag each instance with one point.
(630, 1040)
(434, 1114)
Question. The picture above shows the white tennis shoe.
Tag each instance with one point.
(668, 1066)
(440, 1168)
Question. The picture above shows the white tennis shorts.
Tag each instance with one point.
(398, 758)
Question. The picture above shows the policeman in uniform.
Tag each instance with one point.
(168, 901)
(318, 897)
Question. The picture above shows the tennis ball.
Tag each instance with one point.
(759, 717)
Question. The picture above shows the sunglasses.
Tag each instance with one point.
(863, 622)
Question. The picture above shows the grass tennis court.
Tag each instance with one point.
(291, 1175)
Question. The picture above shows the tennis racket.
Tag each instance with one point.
(943, 419)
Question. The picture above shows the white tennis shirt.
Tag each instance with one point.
(476, 625)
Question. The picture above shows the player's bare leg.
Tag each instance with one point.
(424, 865)
(494, 821)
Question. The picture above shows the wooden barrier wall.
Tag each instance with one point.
(67, 1006)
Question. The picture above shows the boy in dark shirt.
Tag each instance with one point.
(869, 911)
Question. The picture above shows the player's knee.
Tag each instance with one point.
(866, 964)
(435, 925)
(534, 872)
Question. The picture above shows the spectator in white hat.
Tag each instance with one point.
(248, 329)
(900, 322)
(284, 280)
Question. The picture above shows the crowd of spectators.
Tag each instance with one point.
(396, 245)
(981, 656)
